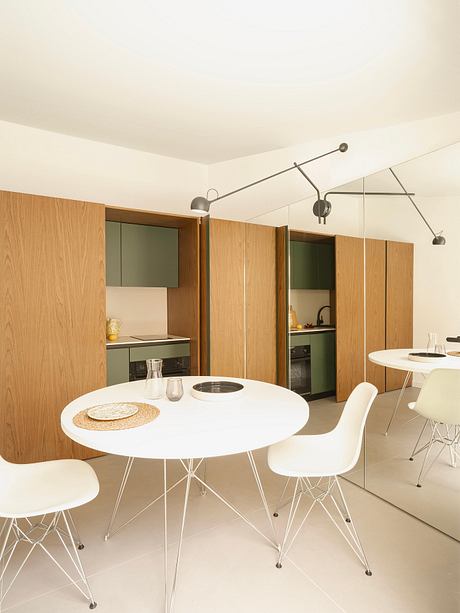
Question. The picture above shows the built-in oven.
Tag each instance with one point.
(301, 370)
(172, 367)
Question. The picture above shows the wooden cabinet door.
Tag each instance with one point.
(260, 302)
(399, 304)
(113, 253)
(375, 308)
(52, 320)
(322, 347)
(227, 298)
(349, 284)
(149, 256)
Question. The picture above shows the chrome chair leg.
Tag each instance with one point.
(414, 451)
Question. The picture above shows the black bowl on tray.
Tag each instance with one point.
(217, 390)
(426, 356)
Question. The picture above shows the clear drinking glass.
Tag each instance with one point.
(174, 389)
(154, 380)
(440, 348)
(432, 342)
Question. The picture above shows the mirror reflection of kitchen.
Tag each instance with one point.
(417, 412)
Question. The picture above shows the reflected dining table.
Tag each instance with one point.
(398, 359)
(191, 430)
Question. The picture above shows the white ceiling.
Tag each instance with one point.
(434, 174)
(211, 81)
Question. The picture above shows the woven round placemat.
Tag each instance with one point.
(145, 415)
(456, 354)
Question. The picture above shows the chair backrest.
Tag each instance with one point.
(439, 398)
(349, 431)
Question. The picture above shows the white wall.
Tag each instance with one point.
(40, 162)
(142, 310)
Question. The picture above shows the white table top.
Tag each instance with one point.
(397, 358)
(262, 415)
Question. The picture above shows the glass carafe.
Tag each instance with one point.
(154, 380)
(432, 342)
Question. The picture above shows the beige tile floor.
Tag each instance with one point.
(227, 567)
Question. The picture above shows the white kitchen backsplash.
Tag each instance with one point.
(307, 302)
(142, 310)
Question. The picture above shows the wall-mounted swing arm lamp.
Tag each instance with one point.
(201, 204)
(438, 239)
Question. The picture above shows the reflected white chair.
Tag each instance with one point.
(29, 493)
(439, 403)
(325, 456)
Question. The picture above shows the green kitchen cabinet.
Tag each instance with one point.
(325, 258)
(117, 365)
(149, 256)
(312, 265)
(322, 348)
(113, 253)
(148, 352)
(303, 265)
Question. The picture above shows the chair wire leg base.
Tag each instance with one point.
(318, 495)
(398, 402)
(30, 536)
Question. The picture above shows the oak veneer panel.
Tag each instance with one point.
(399, 304)
(227, 301)
(260, 277)
(184, 301)
(282, 299)
(349, 284)
(52, 320)
(375, 308)
(204, 297)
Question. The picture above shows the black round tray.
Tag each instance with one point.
(427, 354)
(218, 387)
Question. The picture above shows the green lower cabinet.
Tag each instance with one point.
(322, 347)
(117, 366)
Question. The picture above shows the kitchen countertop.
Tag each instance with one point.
(313, 330)
(127, 341)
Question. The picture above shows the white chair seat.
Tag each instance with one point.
(29, 490)
(319, 455)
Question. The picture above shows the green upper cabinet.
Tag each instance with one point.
(326, 265)
(303, 266)
(113, 253)
(312, 265)
(141, 256)
(322, 347)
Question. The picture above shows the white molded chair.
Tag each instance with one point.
(439, 403)
(29, 491)
(325, 456)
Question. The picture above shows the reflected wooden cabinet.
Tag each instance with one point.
(239, 317)
(387, 268)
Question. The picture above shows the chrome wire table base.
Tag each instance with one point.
(398, 402)
(191, 468)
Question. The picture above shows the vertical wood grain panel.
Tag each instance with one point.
(399, 304)
(349, 270)
(184, 301)
(282, 289)
(227, 289)
(260, 279)
(52, 320)
(375, 308)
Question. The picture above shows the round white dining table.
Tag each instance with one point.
(399, 359)
(191, 430)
